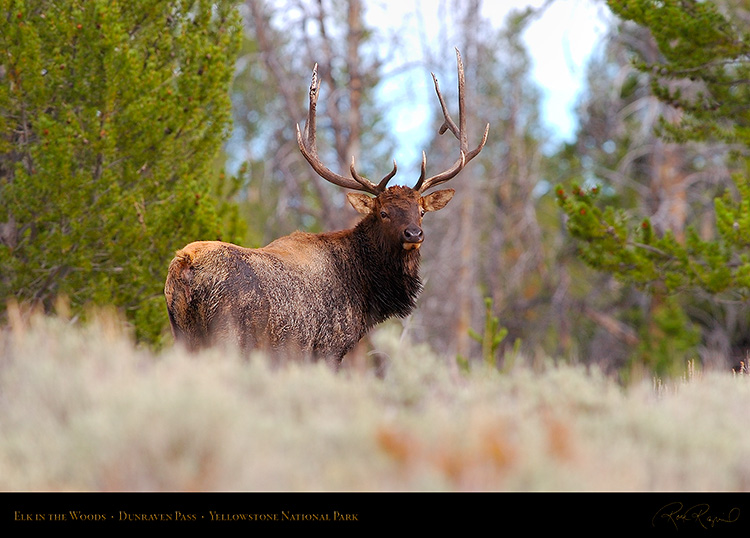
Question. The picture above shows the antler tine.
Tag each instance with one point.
(366, 184)
(311, 123)
(308, 147)
(458, 131)
(444, 176)
(384, 182)
(422, 173)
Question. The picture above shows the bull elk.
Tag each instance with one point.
(315, 294)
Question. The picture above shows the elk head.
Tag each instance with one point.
(400, 208)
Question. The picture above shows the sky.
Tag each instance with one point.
(560, 42)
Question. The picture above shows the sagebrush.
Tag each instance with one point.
(81, 408)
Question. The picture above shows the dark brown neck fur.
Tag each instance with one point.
(388, 274)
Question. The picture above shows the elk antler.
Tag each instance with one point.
(459, 132)
(310, 151)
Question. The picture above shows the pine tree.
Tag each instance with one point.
(701, 72)
(111, 117)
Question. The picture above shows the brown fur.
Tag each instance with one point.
(313, 295)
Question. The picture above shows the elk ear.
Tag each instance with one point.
(437, 200)
(361, 202)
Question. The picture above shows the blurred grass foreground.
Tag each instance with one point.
(81, 408)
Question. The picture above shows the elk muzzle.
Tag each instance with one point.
(412, 237)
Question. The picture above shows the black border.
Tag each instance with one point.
(672, 513)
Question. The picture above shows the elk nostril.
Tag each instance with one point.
(413, 234)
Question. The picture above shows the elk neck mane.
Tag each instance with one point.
(389, 274)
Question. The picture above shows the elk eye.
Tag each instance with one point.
(421, 212)
(383, 215)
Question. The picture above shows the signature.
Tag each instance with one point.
(676, 514)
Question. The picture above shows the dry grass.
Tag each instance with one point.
(82, 409)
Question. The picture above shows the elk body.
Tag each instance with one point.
(314, 295)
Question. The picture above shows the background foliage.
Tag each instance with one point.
(112, 115)
(625, 247)
(689, 250)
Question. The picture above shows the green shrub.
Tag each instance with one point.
(111, 117)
